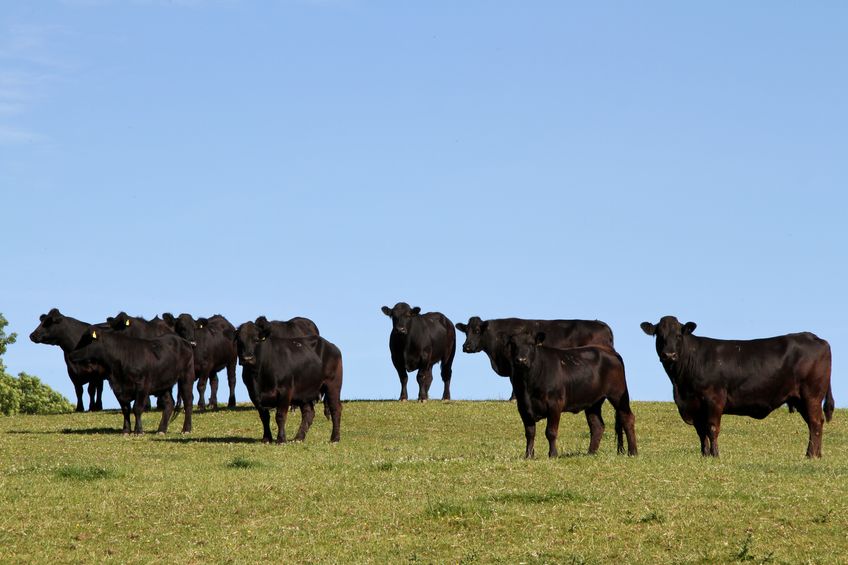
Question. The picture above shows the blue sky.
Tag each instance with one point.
(609, 160)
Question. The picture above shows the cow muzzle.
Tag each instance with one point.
(672, 356)
(248, 360)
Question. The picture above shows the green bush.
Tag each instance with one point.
(26, 394)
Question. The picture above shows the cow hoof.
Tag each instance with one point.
(125, 433)
(160, 433)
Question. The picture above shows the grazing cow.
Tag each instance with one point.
(214, 349)
(491, 336)
(139, 367)
(57, 329)
(284, 372)
(296, 327)
(419, 341)
(711, 377)
(549, 381)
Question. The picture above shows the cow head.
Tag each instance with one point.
(248, 337)
(85, 354)
(669, 333)
(473, 331)
(185, 326)
(401, 315)
(522, 348)
(121, 321)
(49, 328)
(169, 319)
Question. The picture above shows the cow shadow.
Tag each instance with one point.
(226, 439)
(91, 431)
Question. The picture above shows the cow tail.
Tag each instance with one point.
(828, 404)
(178, 405)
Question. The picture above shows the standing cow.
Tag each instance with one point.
(57, 329)
(290, 372)
(419, 341)
(139, 367)
(213, 340)
(711, 377)
(549, 381)
(491, 336)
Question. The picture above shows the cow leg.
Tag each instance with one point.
(78, 391)
(188, 402)
(265, 416)
(98, 404)
(701, 428)
(400, 367)
(307, 413)
(814, 417)
(213, 391)
(446, 372)
(282, 413)
(167, 400)
(138, 410)
(333, 405)
(596, 426)
(92, 395)
(530, 436)
(425, 379)
(231, 382)
(625, 421)
(552, 430)
(125, 411)
(201, 391)
(713, 429)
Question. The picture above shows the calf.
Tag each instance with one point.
(711, 377)
(491, 336)
(139, 367)
(214, 349)
(284, 372)
(57, 329)
(549, 381)
(419, 341)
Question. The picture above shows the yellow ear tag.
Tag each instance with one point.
(200, 326)
(93, 334)
(127, 322)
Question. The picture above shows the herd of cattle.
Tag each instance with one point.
(554, 366)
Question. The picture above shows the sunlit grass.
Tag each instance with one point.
(433, 483)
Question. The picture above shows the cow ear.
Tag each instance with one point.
(168, 317)
(386, 310)
(462, 327)
(110, 320)
(689, 327)
(202, 322)
(264, 332)
(42, 317)
(484, 326)
(648, 328)
(416, 311)
(540, 337)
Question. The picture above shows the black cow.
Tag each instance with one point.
(139, 367)
(491, 336)
(711, 377)
(549, 381)
(64, 331)
(296, 327)
(214, 349)
(419, 341)
(284, 372)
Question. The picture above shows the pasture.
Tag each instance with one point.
(437, 482)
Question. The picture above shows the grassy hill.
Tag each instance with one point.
(435, 482)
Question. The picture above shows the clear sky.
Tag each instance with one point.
(610, 160)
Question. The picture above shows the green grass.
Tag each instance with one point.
(430, 483)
